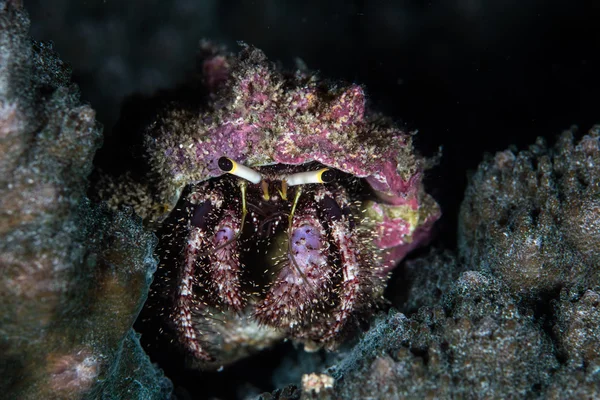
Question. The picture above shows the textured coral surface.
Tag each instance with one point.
(533, 217)
(476, 341)
(74, 275)
(479, 345)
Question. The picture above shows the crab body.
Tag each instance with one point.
(298, 261)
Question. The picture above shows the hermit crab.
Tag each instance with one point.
(281, 206)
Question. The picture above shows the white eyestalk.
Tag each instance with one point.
(228, 165)
(324, 175)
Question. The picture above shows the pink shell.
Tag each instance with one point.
(259, 116)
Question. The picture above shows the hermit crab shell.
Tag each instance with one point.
(257, 116)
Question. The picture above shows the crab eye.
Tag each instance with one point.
(228, 165)
(324, 175)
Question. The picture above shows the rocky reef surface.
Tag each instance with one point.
(514, 312)
(531, 217)
(74, 274)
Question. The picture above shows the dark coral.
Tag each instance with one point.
(577, 328)
(287, 393)
(74, 275)
(533, 217)
(577, 333)
(452, 351)
(425, 280)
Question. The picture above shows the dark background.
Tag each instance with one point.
(472, 76)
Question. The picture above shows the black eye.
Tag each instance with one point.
(225, 164)
(328, 176)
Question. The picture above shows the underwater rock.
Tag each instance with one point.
(577, 328)
(287, 393)
(424, 281)
(479, 345)
(577, 332)
(74, 275)
(532, 218)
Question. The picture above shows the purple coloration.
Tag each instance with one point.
(306, 246)
(234, 139)
(348, 108)
(260, 116)
(223, 235)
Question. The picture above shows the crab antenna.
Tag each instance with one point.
(294, 204)
(230, 166)
(324, 175)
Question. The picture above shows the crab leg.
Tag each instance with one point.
(215, 249)
(184, 302)
(351, 291)
(303, 281)
(224, 265)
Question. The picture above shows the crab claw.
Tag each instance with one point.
(184, 304)
(354, 287)
(211, 250)
(224, 264)
(304, 280)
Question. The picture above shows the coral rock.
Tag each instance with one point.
(74, 275)
(533, 217)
